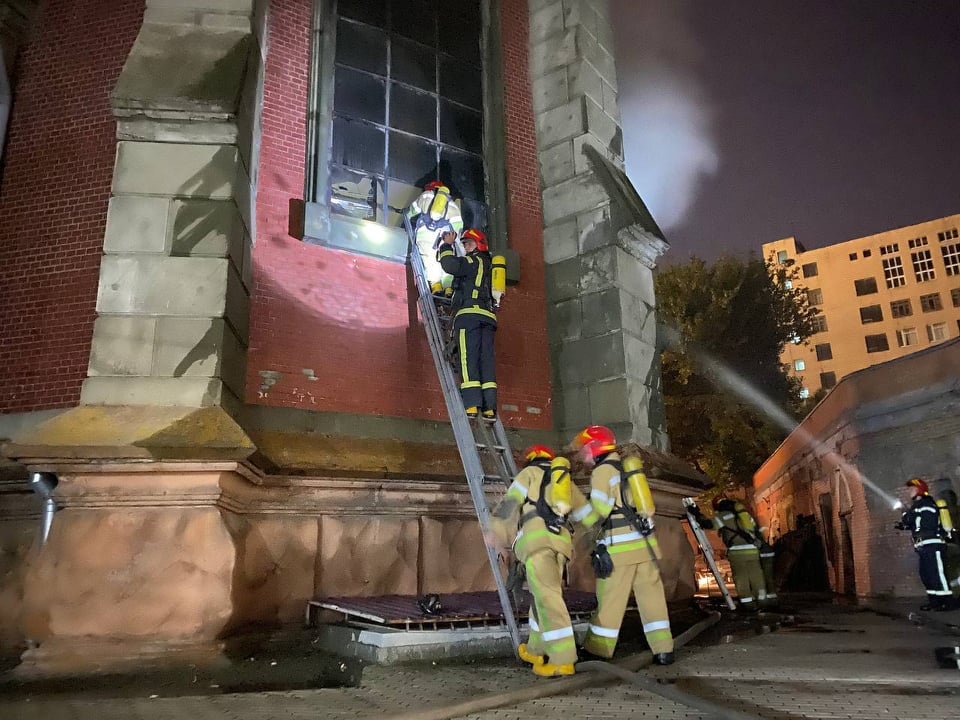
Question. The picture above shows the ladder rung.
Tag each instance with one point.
(498, 478)
(498, 448)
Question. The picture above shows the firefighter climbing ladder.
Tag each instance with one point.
(473, 438)
(707, 550)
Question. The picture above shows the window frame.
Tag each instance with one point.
(877, 347)
(904, 333)
(371, 237)
(824, 352)
(927, 306)
(859, 289)
(897, 308)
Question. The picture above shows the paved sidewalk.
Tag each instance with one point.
(834, 662)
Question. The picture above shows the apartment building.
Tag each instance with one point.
(880, 297)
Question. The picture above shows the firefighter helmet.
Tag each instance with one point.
(597, 439)
(478, 237)
(717, 499)
(919, 484)
(537, 452)
(436, 185)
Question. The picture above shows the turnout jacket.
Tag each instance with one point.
(472, 288)
(531, 531)
(624, 542)
(922, 519)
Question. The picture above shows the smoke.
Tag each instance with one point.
(667, 120)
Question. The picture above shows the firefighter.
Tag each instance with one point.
(533, 517)
(434, 214)
(923, 521)
(767, 563)
(626, 556)
(475, 323)
(737, 529)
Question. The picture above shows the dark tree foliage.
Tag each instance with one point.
(739, 313)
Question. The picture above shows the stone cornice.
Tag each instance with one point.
(641, 244)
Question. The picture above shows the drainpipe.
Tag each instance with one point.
(5, 101)
(44, 484)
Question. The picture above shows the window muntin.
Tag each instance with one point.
(922, 265)
(865, 286)
(900, 308)
(407, 107)
(931, 302)
(951, 258)
(907, 337)
(877, 343)
(937, 332)
(819, 323)
(948, 234)
(815, 296)
(893, 272)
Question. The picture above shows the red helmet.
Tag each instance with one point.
(478, 237)
(597, 439)
(919, 484)
(536, 452)
(436, 184)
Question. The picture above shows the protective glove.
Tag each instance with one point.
(602, 562)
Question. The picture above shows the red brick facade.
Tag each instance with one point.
(346, 320)
(58, 166)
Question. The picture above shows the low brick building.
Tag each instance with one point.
(208, 332)
(846, 463)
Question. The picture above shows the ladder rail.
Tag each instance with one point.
(707, 550)
(462, 431)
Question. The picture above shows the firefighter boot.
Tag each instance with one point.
(529, 657)
(436, 288)
(548, 670)
(472, 411)
(664, 658)
(490, 415)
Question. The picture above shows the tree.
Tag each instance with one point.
(725, 325)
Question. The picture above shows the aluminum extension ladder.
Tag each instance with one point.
(478, 440)
(707, 550)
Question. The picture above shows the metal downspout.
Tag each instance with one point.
(44, 484)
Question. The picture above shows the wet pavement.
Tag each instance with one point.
(823, 661)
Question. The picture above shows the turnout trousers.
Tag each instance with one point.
(933, 573)
(474, 334)
(767, 558)
(612, 595)
(748, 576)
(551, 632)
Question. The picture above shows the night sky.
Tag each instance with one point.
(746, 121)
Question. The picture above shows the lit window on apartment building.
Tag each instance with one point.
(799, 365)
(917, 242)
(867, 253)
(788, 284)
(824, 352)
(877, 343)
(955, 297)
(815, 296)
(893, 272)
(907, 337)
(948, 235)
(901, 308)
(782, 257)
(871, 314)
(819, 323)
(937, 332)
(828, 380)
(804, 393)
(889, 249)
(931, 302)
(951, 258)
(922, 265)
(865, 286)
(809, 270)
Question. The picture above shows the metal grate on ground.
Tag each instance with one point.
(472, 609)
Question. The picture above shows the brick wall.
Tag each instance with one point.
(53, 197)
(346, 320)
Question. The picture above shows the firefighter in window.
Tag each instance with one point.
(475, 323)
(433, 215)
(534, 516)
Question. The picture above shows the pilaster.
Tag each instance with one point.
(600, 242)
